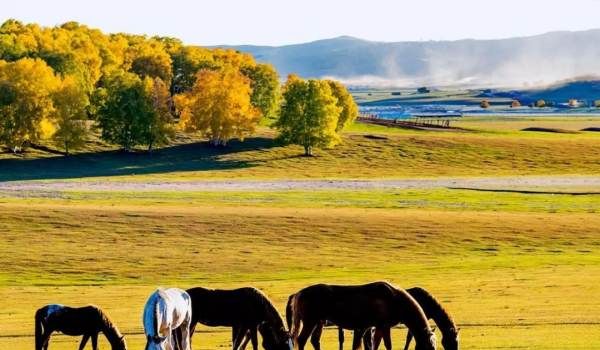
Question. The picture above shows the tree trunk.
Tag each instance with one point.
(308, 152)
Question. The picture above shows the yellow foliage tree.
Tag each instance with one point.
(71, 103)
(309, 114)
(346, 102)
(26, 90)
(219, 106)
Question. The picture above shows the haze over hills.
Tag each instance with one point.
(511, 63)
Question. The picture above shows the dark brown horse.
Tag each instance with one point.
(434, 311)
(377, 304)
(246, 310)
(87, 321)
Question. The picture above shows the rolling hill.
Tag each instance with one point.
(516, 62)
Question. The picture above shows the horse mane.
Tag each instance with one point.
(434, 310)
(274, 318)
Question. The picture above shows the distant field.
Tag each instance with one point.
(366, 152)
(516, 123)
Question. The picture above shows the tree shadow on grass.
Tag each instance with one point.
(185, 157)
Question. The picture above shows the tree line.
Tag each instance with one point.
(139, 90)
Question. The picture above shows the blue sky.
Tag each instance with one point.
(275, 22)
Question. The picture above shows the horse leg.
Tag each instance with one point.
(341, 337)
(237, 333)
(185, 335)
(357, 338)
(245, 341)
(315, 338)
(254, 338)
(409, 337)
(307, 329)
(368, 339)
(95, 341)
(387, 338)
(377, 335)
(84, 341)
(46, 340)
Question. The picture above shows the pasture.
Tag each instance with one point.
(516, 270)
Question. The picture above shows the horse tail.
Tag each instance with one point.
(39, 327)
(288, 312)
(156, 314)
(296, 317)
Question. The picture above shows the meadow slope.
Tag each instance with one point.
(517, 270)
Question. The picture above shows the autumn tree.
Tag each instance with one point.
(149, 58)
(346, 102)
(70, 116)
(132, 112)
(187, 62)
(266, 93)
(309, 114)
(26, 106)
(219, 106)
(160, 128)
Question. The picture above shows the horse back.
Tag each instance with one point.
(220, 307)
(350, 307)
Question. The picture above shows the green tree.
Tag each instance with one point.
(126, 113)
(266, 93)
(345, 100)
(71, 103)
(26, 106)
(219, 106)
(309, 115)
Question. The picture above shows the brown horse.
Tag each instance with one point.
(87, 321)
(377, 304)
(434, 311)
(246, 310)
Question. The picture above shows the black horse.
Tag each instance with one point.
(246, 310)
(87, 321)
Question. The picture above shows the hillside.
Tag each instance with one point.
(515, 62)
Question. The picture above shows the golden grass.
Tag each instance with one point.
(510, 279)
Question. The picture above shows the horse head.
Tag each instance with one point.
(154, 342)
(275, 338)
(427, 342)
(450, 340)
(120, 344)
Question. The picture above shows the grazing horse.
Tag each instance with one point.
(246, 310)
(87, 321)
(434, 311)
(377, 304)
(167, 310)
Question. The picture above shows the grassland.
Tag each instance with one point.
(367, 152)
(516, 270)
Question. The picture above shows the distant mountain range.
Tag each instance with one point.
(517, 62)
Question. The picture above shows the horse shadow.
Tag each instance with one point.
(199, 156)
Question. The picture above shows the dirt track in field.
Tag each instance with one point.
(514, 183)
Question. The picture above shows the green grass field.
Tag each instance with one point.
(367, 152)
(515, 270)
